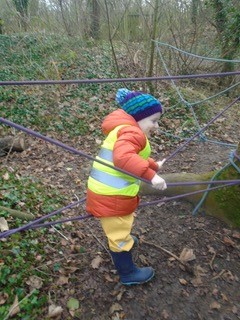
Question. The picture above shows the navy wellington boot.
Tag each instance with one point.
(129, 274)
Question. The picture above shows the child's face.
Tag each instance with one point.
(149, 124)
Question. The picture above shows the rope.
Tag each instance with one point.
(89, 81)
(215, 95)
(9, 232)
(34, 225)
(81, 153)
(203, 129)
(66, 147)
(71, 149)
(186, 103)
(194, 55)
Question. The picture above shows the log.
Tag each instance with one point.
(223, 203)
(18, 214)
(10, 144)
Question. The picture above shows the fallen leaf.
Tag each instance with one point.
(236, 235)
(165, 314)
(228, 241)
(98, 141)
(96, 262)
(73, 304)
(38, 257)
(215, 305)
(108, 278)
(54, 311)
(224, 297)
(35, 282)
(3, 297)
(115, 307)
(62, 280)
(211, 250)
(3, 224)
(234, 310)
(143, 259)
(119, 296)
(215, 292)
(228, 139)
(14, 308)
(187, 255)
(64, 242)
(171, 259)
(228, 276)
(183, 281)
(196, 281)
(72, 269)
(199, 271)
(6, 176)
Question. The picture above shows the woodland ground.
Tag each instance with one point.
(207, 289)
(72, 269)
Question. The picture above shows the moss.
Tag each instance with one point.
(228, 198)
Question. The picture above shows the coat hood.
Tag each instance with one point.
(117, 118)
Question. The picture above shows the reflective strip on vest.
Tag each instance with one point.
(108, 179)
(106, 154)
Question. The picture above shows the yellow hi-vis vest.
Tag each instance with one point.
(107, 181)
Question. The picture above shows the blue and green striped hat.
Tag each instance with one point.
(138, 104)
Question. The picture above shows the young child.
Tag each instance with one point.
(112, 196)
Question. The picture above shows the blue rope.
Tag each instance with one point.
(189, 105)
(194, 55)
(231, 159)
(215, 95)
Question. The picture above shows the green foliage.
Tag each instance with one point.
(26, 193)
(227, 20)
(16, 267)
(58, 108)
(20, 254)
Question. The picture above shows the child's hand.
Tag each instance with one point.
(160, 163)
(158, 183)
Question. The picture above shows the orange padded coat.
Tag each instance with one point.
(130, 141)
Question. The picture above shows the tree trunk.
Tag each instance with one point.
(65, 20)
(22, 8)
(11, 144)
(223, 203)
(152, 45)
(95, 20)
(227, 21)
(1, 25)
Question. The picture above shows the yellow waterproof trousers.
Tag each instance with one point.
(118, 232)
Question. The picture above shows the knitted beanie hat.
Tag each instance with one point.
(138, 104)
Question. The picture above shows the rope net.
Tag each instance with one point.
(187, 110)
(197, 115)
